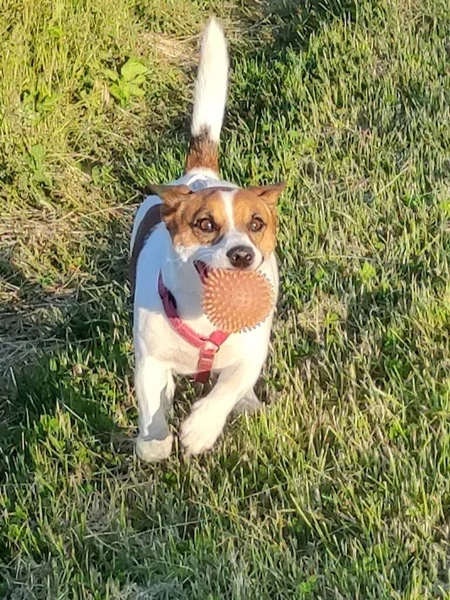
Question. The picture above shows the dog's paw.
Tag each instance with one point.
(154, 450)
(249, 404)
(202, 428)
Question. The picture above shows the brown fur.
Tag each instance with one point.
(202, 153)
(183, 209)
(245, 207)
(268, 193)
(259, 202)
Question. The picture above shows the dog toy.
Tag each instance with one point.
(237, 301)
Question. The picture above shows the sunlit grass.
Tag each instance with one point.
(340, 488)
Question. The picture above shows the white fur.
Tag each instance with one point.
(160, 352)
(228, 198)
(211, 85)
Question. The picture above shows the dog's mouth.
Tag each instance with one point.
(202, 269)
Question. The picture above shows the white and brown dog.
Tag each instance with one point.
(197, 223)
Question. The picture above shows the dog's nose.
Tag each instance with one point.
(241, 257)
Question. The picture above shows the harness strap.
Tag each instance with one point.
(208, 346)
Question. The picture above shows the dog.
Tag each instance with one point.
(181, 231)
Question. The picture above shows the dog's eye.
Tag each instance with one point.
(257, 224)
(205, 224)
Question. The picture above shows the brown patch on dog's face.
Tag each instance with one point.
(254, 212)
(200, 219)
(193, 218)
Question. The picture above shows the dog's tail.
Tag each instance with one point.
(209, 101)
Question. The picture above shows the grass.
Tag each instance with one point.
(340, 489)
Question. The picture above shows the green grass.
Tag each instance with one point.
(340, 489)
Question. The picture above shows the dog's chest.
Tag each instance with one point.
(161, 341)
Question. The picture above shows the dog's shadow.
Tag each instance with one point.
(64, 361)
(86, 374)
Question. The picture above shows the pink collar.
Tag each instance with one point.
(208, 346)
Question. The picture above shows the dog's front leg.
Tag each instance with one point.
(154, 390)
(207, 419)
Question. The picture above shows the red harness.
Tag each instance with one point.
(208, 346)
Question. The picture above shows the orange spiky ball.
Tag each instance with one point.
(236, 301)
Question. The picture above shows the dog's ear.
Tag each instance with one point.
(171, 195)
(268, 193)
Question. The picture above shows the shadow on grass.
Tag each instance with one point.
(84, 378)
(288, 24)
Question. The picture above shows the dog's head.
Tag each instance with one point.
(221, 227)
